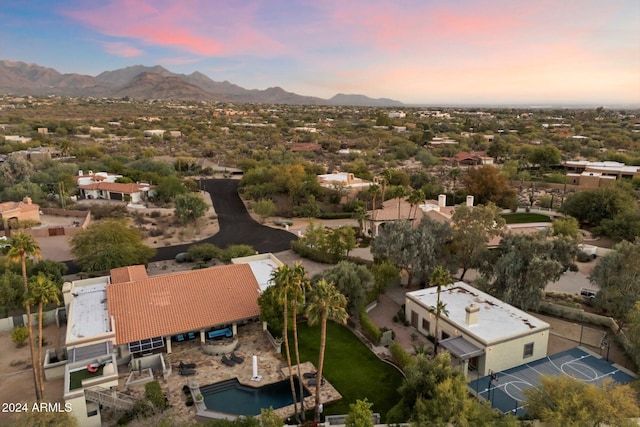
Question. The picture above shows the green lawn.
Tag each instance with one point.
(523, 218)
(75, 378)
(351, 368)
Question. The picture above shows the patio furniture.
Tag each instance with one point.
(179, 337)
(227, 361)
(186, 372)
(314, 381)
(93, 367)
(220, 333)
(308, 375)
(191, 335)
(186, 365)
(236, 358)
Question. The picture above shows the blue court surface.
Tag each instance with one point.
(505, 390)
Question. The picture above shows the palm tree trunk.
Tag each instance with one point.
(286, 346)
(436, 339)
(323, 343)
(295, 344)
(40, 362)
(27, 307)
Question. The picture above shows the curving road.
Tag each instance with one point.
(236, 226)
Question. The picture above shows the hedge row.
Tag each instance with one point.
(369, 329)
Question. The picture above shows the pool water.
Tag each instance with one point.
(231, 397)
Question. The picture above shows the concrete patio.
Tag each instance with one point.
(252, 340)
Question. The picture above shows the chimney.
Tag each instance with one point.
(442, 200)
(26, 200)
(80, 173)
(471, 316)
(470, 201)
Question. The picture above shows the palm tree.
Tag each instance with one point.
(454, 174)
(402, 193)
(289, 281)
(440, 278)
(23, 246)
(325, 302)
(374, 190)
(299, 285)
(415, 198)
(43, 291)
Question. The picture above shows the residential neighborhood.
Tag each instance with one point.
(180, 270)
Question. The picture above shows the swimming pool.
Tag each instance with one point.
(231, 397)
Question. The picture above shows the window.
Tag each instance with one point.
(426, 325)
(445, 335)
(528, 350)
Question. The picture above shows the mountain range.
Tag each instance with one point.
(142, 82)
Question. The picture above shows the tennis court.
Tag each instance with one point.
(505, 390)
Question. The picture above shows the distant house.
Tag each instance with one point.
(102, 185)
(598, 174)
(474, 158)
(38, 153)
(343, 180)
(14, 212)
(153, 132)
(482, 333)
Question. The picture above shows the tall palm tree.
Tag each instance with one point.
(440, 278)
(402, 193)
(374, 190)
(43, 291)
(283, 278)
(299, 285)
(325, 302)
(23, 246)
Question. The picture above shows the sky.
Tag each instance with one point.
(471, 52)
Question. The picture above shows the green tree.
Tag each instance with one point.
(486, 184)
(416, 250)
(169, 187)
(593, 206)
(354, 281)
(624, 225)
(325, 303)
(618, 277)
(205, 252)
(264, 208)
(545, 156)
(340, 241)
(473, 228)
(269, 418)
(415, 198)
(190, 207)
(360, 414)
(19, 334)
(43, 291)
(271, 311)
(567, 226)
(24, 246)
(522, 265)
(565, 401)
(633, 330)
(11, 291)
(109, 244)
(384, 274)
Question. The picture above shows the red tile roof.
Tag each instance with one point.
(128, 274)
(181, 302)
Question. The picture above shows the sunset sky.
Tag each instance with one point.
(430, 52)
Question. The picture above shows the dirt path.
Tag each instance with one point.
(16, 378)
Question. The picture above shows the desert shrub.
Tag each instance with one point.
(19, 335)
(583, 257)
(155, 232)
(155, 214)
(369, 328)
(400, 356)
(153, 392)
(204, 252)
(235, 251)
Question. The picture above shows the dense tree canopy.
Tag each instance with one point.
(190, 207)
(565, 401)
(593, 206)
(618, 277)
(109, 244)
(522, 265)
(354, 281)
(418, 250)
(486, 184)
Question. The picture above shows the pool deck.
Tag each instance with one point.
(209, 370)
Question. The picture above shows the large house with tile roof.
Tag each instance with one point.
(128, 316)
(102, 185)
(15, 212)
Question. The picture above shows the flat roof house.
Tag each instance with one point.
(482, 333)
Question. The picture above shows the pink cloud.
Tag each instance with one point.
(121, 49)
(201, 28)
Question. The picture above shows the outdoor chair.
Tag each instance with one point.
(186, 372)
(186, 365)
(314, 381)
(227, 361)
(308, 375)
(236, 358)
